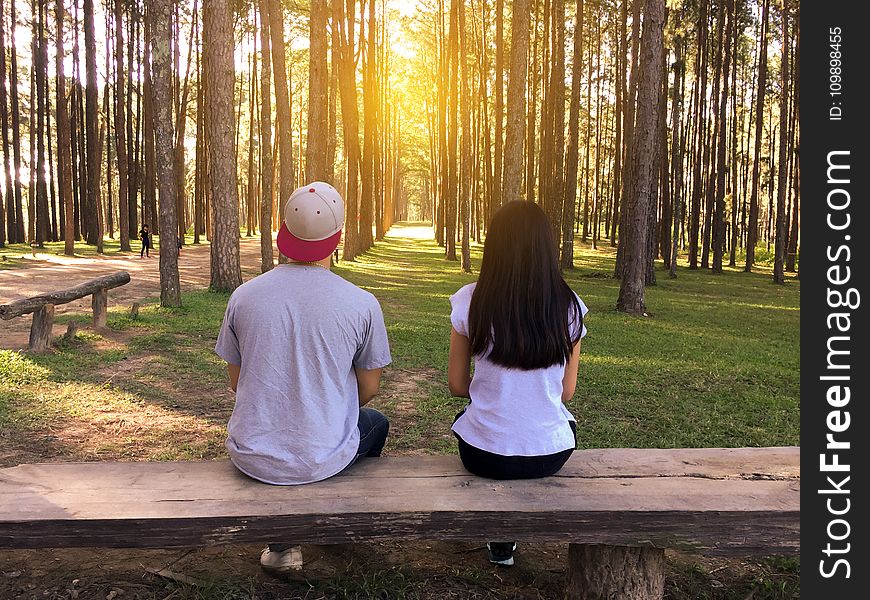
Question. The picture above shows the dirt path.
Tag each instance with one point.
(50, 272)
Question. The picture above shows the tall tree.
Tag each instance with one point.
(719, 222)
(16, 125)
(643, 147)
(370, 126)
(64, 156)
(701, 59)
(43, 225)
(572, 157)
(676, 151)
(782, 182)
(217, 34)
(498, 109)
(316, 159)
(464, 72)
(795, 213)
(266, 168)
(7, 216)
(93, 233)
(282, 101)
(350, 122)
(121, 130)
(452, 132)
(161, 35)
(516, 103)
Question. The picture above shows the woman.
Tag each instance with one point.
(145, 236)
(521, 324)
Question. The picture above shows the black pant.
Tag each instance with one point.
(498, 466)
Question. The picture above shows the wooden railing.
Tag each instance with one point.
(42, 306)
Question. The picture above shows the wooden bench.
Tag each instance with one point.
(617, 508)
(42, 306)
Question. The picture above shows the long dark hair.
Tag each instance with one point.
(522, 309)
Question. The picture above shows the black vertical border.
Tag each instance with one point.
(820, 135)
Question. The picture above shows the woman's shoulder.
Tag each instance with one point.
(463, 294)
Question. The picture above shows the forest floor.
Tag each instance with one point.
(717, 365)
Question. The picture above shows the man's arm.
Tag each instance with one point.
(368, 382)
(233, 371)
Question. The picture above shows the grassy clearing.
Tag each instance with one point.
(717, 365)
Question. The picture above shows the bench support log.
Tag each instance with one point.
(99, 302)
(597, 572)
(40, 328)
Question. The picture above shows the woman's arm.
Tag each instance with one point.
(459, 365)
(569, 380)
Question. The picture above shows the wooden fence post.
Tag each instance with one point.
(597, 572)
(40, 329)
(99, 301)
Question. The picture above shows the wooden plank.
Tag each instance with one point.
(29, 305)
(749, 509)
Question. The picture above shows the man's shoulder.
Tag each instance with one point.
(353, 293)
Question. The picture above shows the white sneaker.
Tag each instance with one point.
(282, 563)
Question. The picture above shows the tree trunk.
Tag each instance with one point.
(218, 48)
(149, 195)
(498, 110)
(282, 101)
(370, 128)
(676, 150)
(791, 257)
(555, 197)
(634, 237)
(752, 233)
(572, 159)
(782, 187)
(161, 91)
(350, 123)
(64, 144)
(316, 150)
(43, 226)
(121, 131)
(92, 232)
(700, 136)
(7, 213)
(452, 196)
(719, 218)
(465, 184)
(516, 103)
(267, 259)
(608, 572)
(16, 126)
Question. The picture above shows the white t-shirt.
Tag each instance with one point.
(298, 332)
(513, 412)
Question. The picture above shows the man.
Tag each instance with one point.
(304, 351)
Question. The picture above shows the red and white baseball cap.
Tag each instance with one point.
(313, 218)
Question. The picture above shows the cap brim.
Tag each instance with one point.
(303, 250)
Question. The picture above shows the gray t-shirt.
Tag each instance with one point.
(298, 331)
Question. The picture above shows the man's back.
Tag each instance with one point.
(297, 332)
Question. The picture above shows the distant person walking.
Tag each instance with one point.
(521, 325)
(145, 236)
